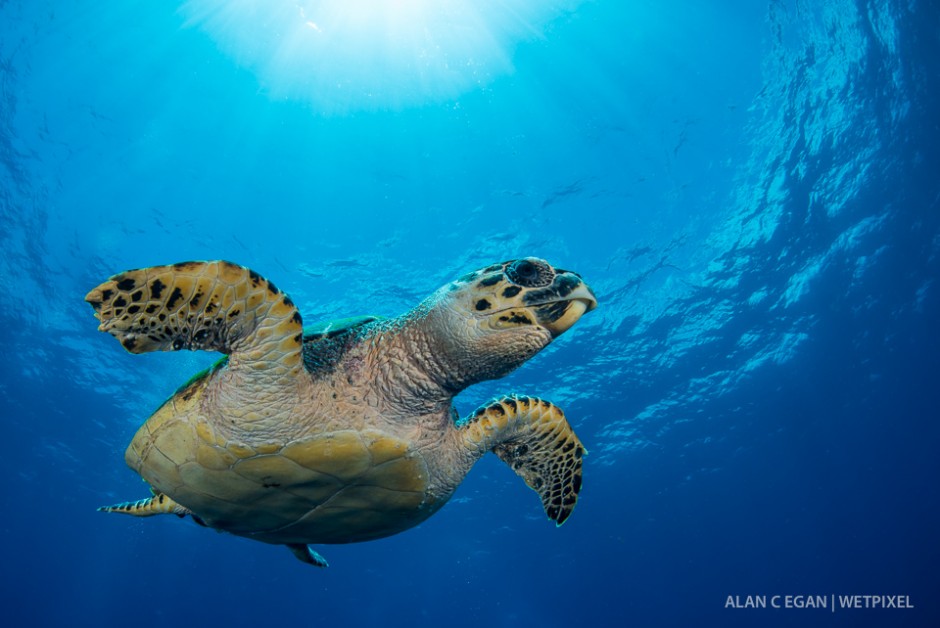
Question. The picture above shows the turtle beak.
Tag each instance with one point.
(558, 316)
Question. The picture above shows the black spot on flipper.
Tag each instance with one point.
(137, 296)
(297, 318)
(156, 288)
(119, 302)
(106, 294)
(126, 284)
(178, 344)
(576, 483)
(256, 279)
(133, 309)
(273, 289)
(175, 297)
(129, 343)
(286, 301)
(234, 313)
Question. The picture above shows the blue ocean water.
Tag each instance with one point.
(751, 188)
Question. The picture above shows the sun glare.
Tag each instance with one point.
(345, 55)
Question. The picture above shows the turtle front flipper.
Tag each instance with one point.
(214, 306)
(158, 504)
(534, 438)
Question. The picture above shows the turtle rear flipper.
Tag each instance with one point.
(534, 438)
(214, 306)
(305, 554)
(158, 504)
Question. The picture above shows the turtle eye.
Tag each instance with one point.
(530, 273)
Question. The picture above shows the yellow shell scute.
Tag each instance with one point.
(240, 450)
(272, 470)
(268, 448)
(383, 448)
(161, 472)
(137, 449)
(222, 484)
(213, 457)
(168, 412)
(340, 454)
(402, 474)
(362, 499)
(176, 440)
(204, 433)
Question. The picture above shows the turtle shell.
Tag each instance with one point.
(338, 486)
(331, 329)
(335, 487)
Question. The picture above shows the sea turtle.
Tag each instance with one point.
(345, 432)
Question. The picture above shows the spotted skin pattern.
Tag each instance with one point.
(547, 290)
(533, 437)
(159, 504)
(347, 433)
(213, 306)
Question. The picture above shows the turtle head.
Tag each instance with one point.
(492, 320)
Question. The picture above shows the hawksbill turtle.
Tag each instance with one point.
(345, 432)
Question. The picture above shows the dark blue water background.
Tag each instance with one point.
(751, 188)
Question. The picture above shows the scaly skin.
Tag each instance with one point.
(345, 438)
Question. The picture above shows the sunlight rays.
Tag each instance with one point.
(348, 55)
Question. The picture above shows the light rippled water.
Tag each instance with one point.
(750, 189)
